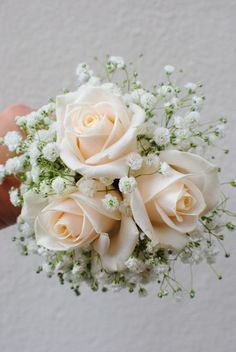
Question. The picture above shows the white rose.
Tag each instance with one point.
(96, 131)
(166, 207)
(76, 220)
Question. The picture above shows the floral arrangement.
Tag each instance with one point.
(116, 183)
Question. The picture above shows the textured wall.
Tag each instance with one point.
(41, 44)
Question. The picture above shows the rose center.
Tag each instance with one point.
(186, 202)
(90, 120)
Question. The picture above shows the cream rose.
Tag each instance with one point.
(76, 220)
(96, 131)
(166, 207)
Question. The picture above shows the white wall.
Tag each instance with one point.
(41, 43)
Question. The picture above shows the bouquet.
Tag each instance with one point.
(118, 183)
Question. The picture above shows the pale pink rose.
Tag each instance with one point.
(76, 220)
(167, 207)
(96, 131)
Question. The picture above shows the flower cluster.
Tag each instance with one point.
(115, 189)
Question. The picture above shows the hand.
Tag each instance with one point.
(8, 212)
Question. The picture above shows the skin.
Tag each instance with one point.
(8, 212)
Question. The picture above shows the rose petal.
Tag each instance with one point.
(164, 237)
(122, 244)
(140, 213)
(33, 204)
(114, 169)
(187, 225)
(101, 244)
(150, 185)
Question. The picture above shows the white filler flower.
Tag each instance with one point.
(148, 100)
(107, 181)
(127, 184)
(58, 184)
(161, 136)
(169, 69)
(192, 118)
(110, 202)
(12, 140)
(134, 161)
(51, 152)
(152, 159)
(135, 265)
(117, 61)
(13, 165)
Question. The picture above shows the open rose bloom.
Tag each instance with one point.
(168, 207)
(96, 131)
(116, 184)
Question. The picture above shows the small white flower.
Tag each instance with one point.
(21, 121)
(58, 184)
(169, 69)
(32, 119)
(107, 181)
(84, 73)
(32, 246)
(192, 118)
(212, 137)
(110, 202)
(191, 87)
(12, 140)
(51, 152)
(165, 168)
(137, 84)
(44, 188)
(34, 153)
(146, 129)
(76, 269)
(220, 130)
(43, 135)
(48, 108)
(134, 161)
(14, 197)
(14, 165)
(94, 81)
(87, 187)
(178, 121)
(135, 265)
(2, 173)
(152, 160)
(42, 251)
(173, 104)
(166, 91)
(150, 248)
(26, 229)
(136, 95)
(148, 101)
(142, 236)
(161, 136)
(211, 253)
(47, 268)
(197, 102)
(117, 61)
(127, 184)
(182, 134)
